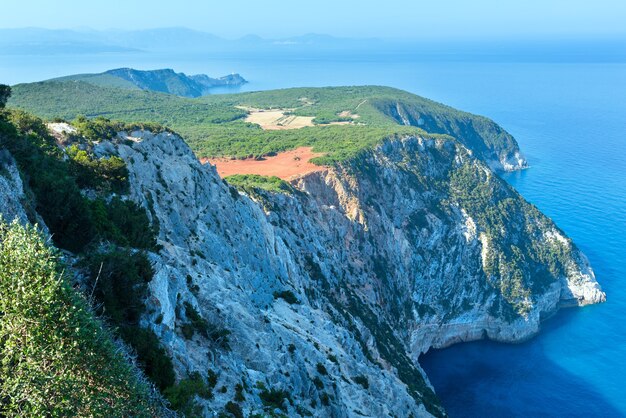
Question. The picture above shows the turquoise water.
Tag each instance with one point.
(570, 121)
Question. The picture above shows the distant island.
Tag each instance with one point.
(162, 81)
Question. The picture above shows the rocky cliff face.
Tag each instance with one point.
(168, 81)
(12, 199)
(487, 140)
(320, 301)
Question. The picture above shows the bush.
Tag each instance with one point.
(239, 397)
(200, 325)
(126, 223)
(181, 396)
(274, 398)
(318, 382)
(56, 358)
(106, 173)
(321, 369)
(5, 93)
(234, 409)
(362, 380)
(96, 129)
(55, 183)
(287, 296)
(119, 281)
(152, 357)
(119, 278)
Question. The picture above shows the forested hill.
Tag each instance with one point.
(164, 81)
(341, 120)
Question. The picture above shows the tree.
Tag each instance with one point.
(5, 93)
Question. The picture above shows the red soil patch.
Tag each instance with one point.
(285, 165)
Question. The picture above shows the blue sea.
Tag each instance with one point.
(570, 121)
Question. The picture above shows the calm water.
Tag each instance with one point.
(570, 121)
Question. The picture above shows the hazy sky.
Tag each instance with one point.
(364, 18)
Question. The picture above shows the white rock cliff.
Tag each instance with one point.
(386, 254)
(384, 262)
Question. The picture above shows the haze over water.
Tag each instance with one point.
(570, 121)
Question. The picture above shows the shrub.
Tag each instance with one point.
(119, 280)
(198, 324)
(249, 182)
(318, 382)
(129, 225)
(211, 378)
(5, 93)
(106, 173)
(287, 295)
(152, 357)
(57, 360)
(321, 369)
(55, 183)
(239, 397)
(362, 380)
(274, 398)
(181, 396)
(234, 409)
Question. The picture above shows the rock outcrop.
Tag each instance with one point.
(12, 198)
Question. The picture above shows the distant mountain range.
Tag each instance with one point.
(25, 41)
(38, 41)
(164, 81)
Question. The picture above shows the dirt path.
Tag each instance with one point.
(285, 165)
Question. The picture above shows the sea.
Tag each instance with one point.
(569, 118)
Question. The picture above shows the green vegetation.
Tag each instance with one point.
(182, 395)
(5, 93)
(97, 173)
(203, 327)
(101, 128)
(517, 268)
(274, 398)
(119, 281)
(287, 296)
(234, 409)
(321, 369)
(55, 182)
(362, 380)
(250, 182)
(118, 276)
(55, 357)
(239, 396)
(213, 125)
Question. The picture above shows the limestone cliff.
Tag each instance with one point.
(324, 298)
(12, 198)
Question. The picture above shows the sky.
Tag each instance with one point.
(408, 19)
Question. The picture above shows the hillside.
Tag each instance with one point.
(345, 120)
(313, 297)
(163, 81)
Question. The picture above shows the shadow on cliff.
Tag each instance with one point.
(488, 379)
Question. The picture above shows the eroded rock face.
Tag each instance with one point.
(387, 256)
(12, 198)
(331, 293)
